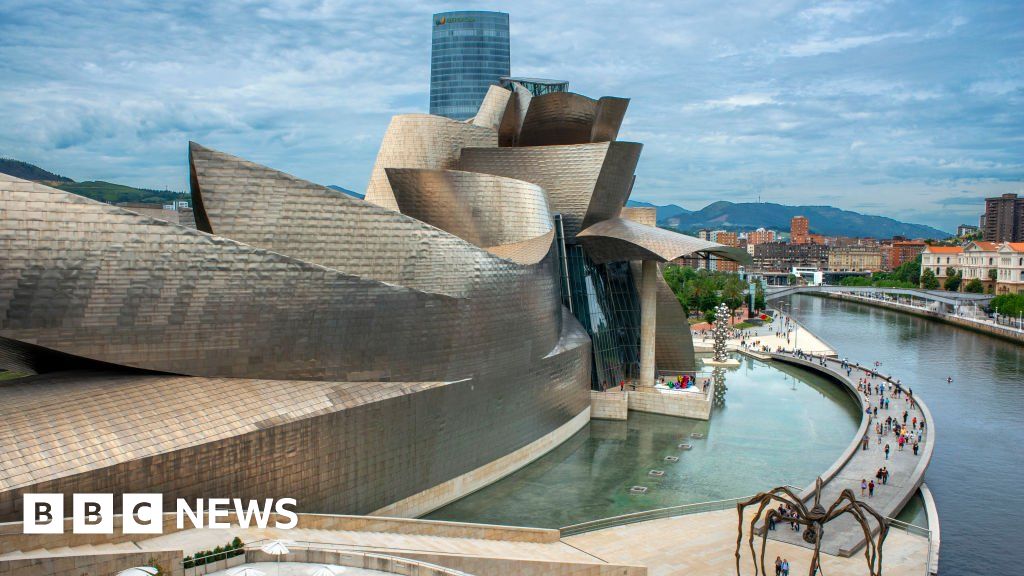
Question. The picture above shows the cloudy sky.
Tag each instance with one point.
(908, 109)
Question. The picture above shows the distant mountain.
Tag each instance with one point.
(346, 191)
(825, 220)
(664, 212)
(97, 190)
(27, 171)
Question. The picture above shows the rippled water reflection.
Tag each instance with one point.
(778, 425)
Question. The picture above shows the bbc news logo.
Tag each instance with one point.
(143, 513)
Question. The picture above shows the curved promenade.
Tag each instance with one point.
(844, 536)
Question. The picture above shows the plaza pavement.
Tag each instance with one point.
(765, 335)
(704, 545)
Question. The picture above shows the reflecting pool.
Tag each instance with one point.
(778, 425)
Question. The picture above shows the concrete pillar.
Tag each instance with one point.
(648, 320)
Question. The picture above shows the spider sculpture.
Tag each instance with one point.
(814, 519)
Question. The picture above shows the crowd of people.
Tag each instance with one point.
(785, 513)
(904, 429)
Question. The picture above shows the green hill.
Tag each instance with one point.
(664, 212)
(118, 193)
(96, 190)
(27, 171)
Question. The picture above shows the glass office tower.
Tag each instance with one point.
(469, 52)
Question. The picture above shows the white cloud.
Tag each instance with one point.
(776, 96)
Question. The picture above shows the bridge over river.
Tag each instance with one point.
(937, 300)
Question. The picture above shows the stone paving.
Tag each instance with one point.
(301, 569)
(704, 544)
(905, 469)
(799, 335)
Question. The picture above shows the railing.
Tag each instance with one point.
(306, 545)
(915, 530)
(646, 515)
(715, 506)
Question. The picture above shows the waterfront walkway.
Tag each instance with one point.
(775, 336)
(906, 471)
(964, 316)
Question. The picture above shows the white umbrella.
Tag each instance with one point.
(325, 570)
(139, 571)
(276, 548)
(245, 571)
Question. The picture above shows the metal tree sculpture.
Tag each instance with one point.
(720, 332)
(814, 519)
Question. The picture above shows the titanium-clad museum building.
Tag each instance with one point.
(384, 355)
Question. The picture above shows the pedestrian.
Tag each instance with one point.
(886, 453)
(916, 445)
(864, 482)
(778, 566)
(871, 489)
(885, 475)
(785, 567)
(771, 523)
(904, 416)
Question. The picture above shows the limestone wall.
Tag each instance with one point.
(608, 405)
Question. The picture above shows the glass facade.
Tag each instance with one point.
(605, 300)
(469, 53)
(536, 86)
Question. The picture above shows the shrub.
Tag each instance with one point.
(974, 286)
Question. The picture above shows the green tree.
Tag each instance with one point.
(952, 283)
(1008, 304)
(993, 274)
(709, 316)
(974, 286)
(928, 280)
(855, 281)
(732, 294)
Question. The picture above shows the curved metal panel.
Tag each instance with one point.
(361, 445)
(422, 141)
(673, 341)
(527, 251)
(483, 209)
(104, 283)
(567, 118)
(582, 180)
(621, 239)
(515, 113)
(493, 108)
(558, 118)
(610, 113)
(268, 209)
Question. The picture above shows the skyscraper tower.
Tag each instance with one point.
(469, 52)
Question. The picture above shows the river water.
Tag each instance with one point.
(975, 473)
